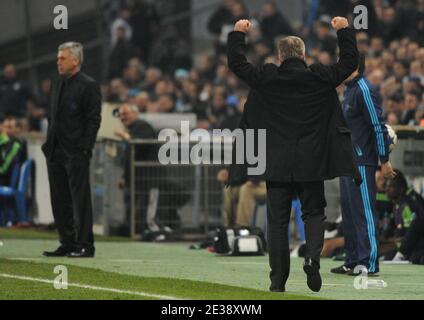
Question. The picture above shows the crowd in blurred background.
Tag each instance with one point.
(163, 76)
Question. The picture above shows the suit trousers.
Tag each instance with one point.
(279, 200)
(71, 198)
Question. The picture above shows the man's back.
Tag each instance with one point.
(307, 137)
(307, 140)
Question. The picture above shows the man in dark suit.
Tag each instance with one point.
(74, 119)
(307, 140)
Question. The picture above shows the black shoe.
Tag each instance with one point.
(359, 272)
(272, 289)
(62, 251)
(341, 270)
(311, 269)
(82, 253)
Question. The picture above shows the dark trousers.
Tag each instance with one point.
(279, 199)
(360, 220)
(71, 198)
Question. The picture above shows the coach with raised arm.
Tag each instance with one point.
(307, 139)
(74, 120)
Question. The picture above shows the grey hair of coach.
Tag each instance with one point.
(75, 48)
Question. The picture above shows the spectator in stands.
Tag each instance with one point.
(123, 23)
(121, 53)
(222, 21)
(404, 206)
(218, 111)
(152, 76)
(392, 119)
(376, 78)
(412, 244)
(142, 101)
(394, 106)
(144, 22)
(384, 206)
(206, 68)
(133, 77)
(388, 26)
(363, 42)
(239, 202)
(171, 51)
(9, 153)
(327, 42)
(135, 129)
(14, 93)
(273, 23)
(233, 121)
(376, 46)
(222, 16)
(119, 92)
(408, 218)
(13, 129)
(412, 101)
(38, 111)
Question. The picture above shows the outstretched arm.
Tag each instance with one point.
(237, 61)
(349, 55)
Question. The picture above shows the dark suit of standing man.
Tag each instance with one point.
(307, 139)
(74, 120)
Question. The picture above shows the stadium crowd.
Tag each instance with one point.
(393, 44)
(160, 75)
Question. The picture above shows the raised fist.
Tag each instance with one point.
(339, 23)
(242, 26)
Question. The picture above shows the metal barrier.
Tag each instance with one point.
(184, 197)
(187, 198)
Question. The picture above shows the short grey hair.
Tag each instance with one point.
(75, 48)
(291, 47)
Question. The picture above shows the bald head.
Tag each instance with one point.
(128, 114)
(291, 47)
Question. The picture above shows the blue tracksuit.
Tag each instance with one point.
(364, 116)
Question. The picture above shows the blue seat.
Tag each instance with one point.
(6, 213)
(18, 189)
(21, 194)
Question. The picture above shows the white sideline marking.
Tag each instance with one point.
(84, 286)
(134, 260)
(245, 263)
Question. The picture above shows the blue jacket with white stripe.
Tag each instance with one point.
(364, 116)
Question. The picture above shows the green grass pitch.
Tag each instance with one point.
(135, 270)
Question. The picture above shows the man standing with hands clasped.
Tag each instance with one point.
(307, 139)
(74, 119)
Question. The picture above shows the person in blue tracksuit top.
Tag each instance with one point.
(364, 117)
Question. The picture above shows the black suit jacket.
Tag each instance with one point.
(75, 119)
(307, 137)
